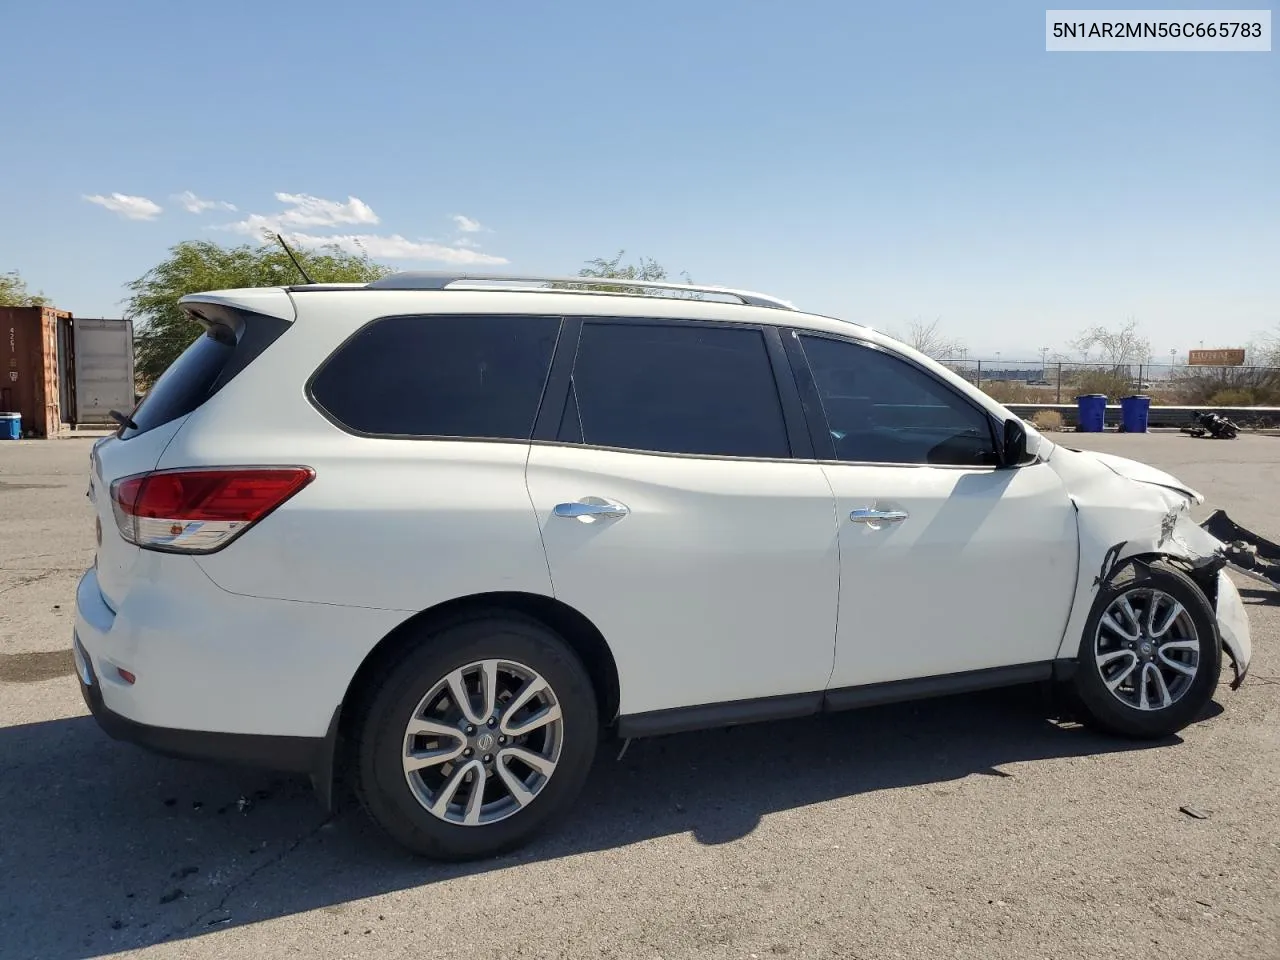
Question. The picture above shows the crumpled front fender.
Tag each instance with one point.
(1118, 519)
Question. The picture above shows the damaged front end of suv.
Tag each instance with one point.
(1133, 515)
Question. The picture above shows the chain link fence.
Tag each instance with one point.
(1061, 381)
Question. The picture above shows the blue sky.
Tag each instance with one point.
(882, 163)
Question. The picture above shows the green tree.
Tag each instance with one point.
(13, 292)
(604, 269)
(162, 331)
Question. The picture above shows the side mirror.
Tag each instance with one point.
(1015, 443)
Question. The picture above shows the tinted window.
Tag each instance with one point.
(233, 340)
(187, 382)
(675, 388)
(463, 376)
(881, 409)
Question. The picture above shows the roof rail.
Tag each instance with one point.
(443, 280)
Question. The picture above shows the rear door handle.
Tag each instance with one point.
(590, 509)
(874, 518)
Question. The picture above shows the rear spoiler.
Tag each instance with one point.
(267, 301)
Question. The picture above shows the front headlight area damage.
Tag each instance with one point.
(1122, 520)
(1174, 537)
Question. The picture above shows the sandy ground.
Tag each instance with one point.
(967, 827)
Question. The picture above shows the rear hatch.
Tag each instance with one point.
(237, 327)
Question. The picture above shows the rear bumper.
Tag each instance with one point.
(211, 661)
(218, 676)
(290, 754)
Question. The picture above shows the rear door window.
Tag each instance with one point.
(686, 388)
(468, 376)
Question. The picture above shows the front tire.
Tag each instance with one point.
(1150, 656)
(476, 739)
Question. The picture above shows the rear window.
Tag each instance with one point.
(440, 376)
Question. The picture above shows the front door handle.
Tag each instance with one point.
(590, 509)
(874, 518)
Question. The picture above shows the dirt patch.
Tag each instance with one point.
(35, 667)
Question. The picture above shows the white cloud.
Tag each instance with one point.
(193, 204)
(129, 207)
(396, 247)
(305, 211)
(309, 211)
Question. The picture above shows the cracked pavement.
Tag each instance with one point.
(968, 827)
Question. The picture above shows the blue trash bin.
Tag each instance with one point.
(1133, 414)
(10, 426)
(1093, 412)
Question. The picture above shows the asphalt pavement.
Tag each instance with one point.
(969, 827)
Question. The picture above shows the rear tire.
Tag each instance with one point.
(475, 739)
(1150, 657)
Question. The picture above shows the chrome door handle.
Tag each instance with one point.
(589, 509)
(873, 518)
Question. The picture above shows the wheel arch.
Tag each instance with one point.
(1203, 574)
(575, 628)
(1115, 532)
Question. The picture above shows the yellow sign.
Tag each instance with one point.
(1216, 358)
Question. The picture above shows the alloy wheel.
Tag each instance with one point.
(1147, 649)
(483, 742)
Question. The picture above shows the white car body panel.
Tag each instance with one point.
(422, 531)
(268, 301)
(729, 580)
(719, 585)
(392, 524)
(207, 660)
(1141, 473)
(979, 547)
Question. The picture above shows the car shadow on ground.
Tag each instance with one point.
(104, 847)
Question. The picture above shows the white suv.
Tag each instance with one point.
(441, 533)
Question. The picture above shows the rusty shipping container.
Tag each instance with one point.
(29, 381)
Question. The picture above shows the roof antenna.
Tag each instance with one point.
(294, 259)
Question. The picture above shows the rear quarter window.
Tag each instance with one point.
(232, 340)
(467, 376)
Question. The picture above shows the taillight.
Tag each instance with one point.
(199, 511)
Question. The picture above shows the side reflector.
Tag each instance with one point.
(199, 511)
